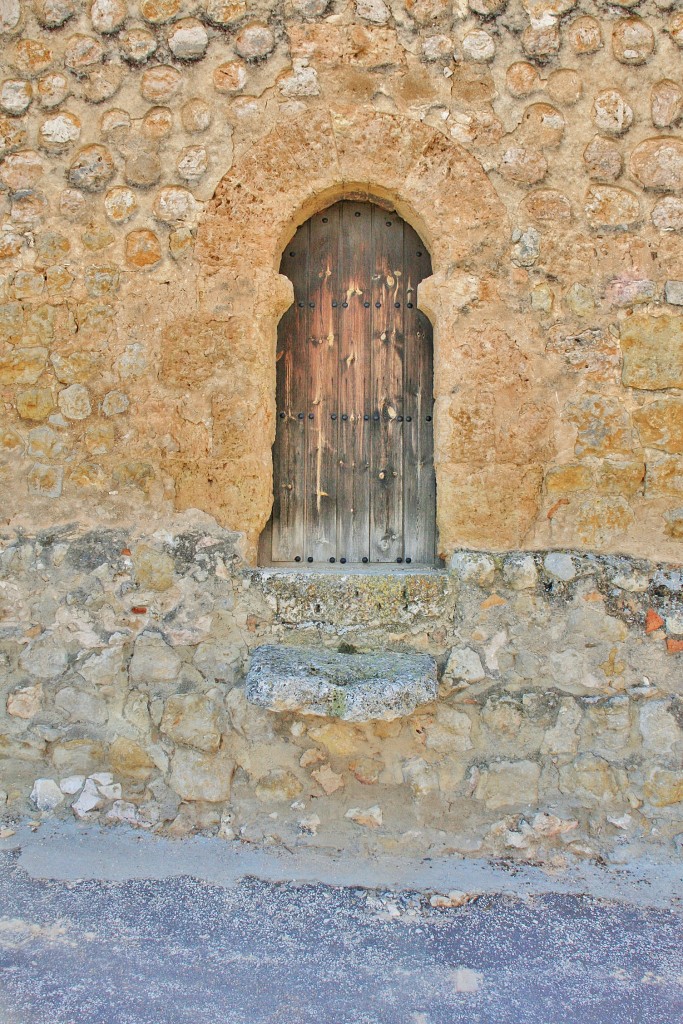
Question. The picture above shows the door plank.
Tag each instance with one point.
(418, 438)
(355, 329)
(289, 464)
(321, 348)
(386, 444)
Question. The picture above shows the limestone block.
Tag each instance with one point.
(653, 352)
(664, 476)
(129, 759)
(44, 658)
(508, 784)
(519, 572)
(658, 164)
(80, 706)
(219, 661)
(46, 795)
(660, 424)
(449, 732)
(192, 719)
(473, 567)
(278, 785)
(154, 663)
(666, 103)
(92, 168)
(421, 776)
(603, 426)
(254, 41)
(201, 776)
(188, 39)
(563, 738)
(353, 687)
(22, 365)
(664, 788)
(464, 664)
(25, 702)
(153, 568)
(662, 735)
(493, 506)
(590, 778)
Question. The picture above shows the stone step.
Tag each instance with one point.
(352, 687)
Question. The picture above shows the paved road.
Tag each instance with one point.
(184, 951)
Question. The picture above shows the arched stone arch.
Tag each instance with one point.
(297, 169)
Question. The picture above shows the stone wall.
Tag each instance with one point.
(155, 156)
(558, 727)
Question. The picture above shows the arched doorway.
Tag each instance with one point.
(353, 455)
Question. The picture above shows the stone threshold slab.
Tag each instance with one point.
(351, 687)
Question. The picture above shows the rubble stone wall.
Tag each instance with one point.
(558, 728)
(155, 157)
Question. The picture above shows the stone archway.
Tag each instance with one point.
(299, 168)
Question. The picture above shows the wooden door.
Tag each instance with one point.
(353, 455)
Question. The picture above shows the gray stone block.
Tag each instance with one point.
(353, 687)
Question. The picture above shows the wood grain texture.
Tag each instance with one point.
(353, 457)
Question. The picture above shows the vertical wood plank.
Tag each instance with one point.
(420, 482)
(355, 332)
(289, 486)
(386, 445)
(321, 357)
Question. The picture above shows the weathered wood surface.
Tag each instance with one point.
(353, 456)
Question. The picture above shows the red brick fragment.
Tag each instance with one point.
(653, 621)
(674, 646)
(139, 609)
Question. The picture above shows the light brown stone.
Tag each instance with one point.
(158, 122)
(667, 214)
(35, 403)
(664, 788)
(92, 168)
(633, 41)
(224, 13)
(522, 79)
(254, 41)
(564, 86)
(21, 170)
(31, 56)
(25, 702)
(52, 89)
(54, 13)
(120, 204)
(611, 113)
(603, 159)
(15, 96)
(658, 164)
(153, 569)
(278, 786)
(547, 205)
(609, 207)
(660, 425)
(666, 103)
(664, 476)
(230, 77)
(143, 249)
(524, 165)
(127, 758)
(188, 39)
(160, 11)
(137, 45)
(108, 15)
(653, 352)
(585, 35)
(83, 51)
(191, 719)
(160, 84)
